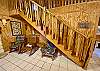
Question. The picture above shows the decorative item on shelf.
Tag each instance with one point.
(16, 28)
(84, 25)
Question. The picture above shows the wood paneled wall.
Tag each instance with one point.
(4, 7)
(6, 34)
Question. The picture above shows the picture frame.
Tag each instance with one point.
(84, 25)
(15, 28)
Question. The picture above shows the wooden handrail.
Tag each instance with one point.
(37, 4)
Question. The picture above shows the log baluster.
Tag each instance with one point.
(33, 12)
(65, 2)
(82, 41)
(74, 44)
(49, 3)
(84, 0)
(56, 28)
(65, 37)
(36, 14)
(76, 1)
(62, 2)
(29, 9)
(58, 23)
(18, 4)
(25, 6)
(50, 24)
(69, 38)
(47, 23)
(56, 3)
(52, 4)
(85, 48)
(61, 33)
(53, 34)
(44, 19)
(73, 2)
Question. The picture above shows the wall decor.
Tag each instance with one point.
(84, 25)
(16, 28)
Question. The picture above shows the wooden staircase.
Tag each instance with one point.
(74, 44)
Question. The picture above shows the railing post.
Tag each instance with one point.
(61, 32)
(62, 2)
(20, 3)
(27, 8)
(44, 19)
(44, 12)
(54, 3)
(52, 27)
(65, 37)
(36, 14)
(49, 23)
(30, 9)
(33, 12)
(74, 1)
(48, 4)
(55, 28)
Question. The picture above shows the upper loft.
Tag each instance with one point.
(57, 3)
(8, 5)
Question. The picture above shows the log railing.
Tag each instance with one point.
(58, 3)
(70, 41)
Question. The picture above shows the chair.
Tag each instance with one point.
(32, 42)
(17, 45)
(49, 51)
